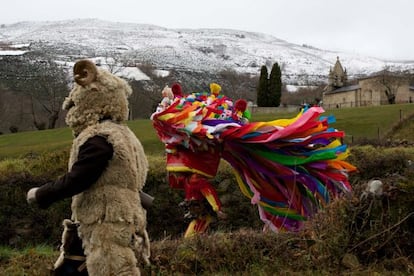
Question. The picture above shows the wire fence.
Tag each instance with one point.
(381, 133)
(361, 104)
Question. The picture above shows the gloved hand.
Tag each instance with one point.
(31, 195)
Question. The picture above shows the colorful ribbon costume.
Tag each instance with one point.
(289, 168)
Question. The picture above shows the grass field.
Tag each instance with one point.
(366, 122)
(247, 252)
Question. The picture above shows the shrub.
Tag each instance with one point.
(31, 225)
(13, 129)
(10, 168)
(22, 224)
(377, 162)
(371, 229)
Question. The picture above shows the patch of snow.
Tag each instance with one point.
(161, 73)
(292, 88)
(210, 50)
(12, 53)
(19, 46)
(132, 73)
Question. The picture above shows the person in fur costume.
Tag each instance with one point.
(107, 171)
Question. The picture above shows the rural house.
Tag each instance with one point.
(381, 88)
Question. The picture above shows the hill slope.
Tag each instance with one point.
(189, 49)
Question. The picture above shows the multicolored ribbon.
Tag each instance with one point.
(289, 168)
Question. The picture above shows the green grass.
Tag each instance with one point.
(367, 122)
(359, 122)
(36, 260)
(223, 253)
(370, 122)
(146, 134)
(41, 249)
(17, 144)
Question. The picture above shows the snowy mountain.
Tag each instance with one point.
(187, 49)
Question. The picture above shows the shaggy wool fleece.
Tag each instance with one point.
(112, 221)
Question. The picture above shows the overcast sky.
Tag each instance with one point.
(378, 28)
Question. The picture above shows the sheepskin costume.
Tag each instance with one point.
(112, 221)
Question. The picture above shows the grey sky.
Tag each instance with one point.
(379, 28)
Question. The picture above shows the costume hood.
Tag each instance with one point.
(97, 95)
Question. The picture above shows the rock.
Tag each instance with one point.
(375, 187)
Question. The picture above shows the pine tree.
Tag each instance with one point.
(275, 86)
(262, 88)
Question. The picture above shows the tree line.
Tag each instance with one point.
(33, 87)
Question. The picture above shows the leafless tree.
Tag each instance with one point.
(303, 95)
(42, 81)
(237, 85)
(391, 82)
(113, 62)
(51, 87)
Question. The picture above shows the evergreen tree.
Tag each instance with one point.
(275, 86)
(262, 88)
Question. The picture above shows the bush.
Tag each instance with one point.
(14, 129)
(22, 224)
(371, 229)
(11, 168)
(377, 162)
(31, 225)
(165, 217)
(364, 234)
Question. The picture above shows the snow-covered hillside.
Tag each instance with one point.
(188, 49)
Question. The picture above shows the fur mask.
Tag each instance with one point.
(97, 95)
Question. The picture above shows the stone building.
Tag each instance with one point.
(378, 89)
